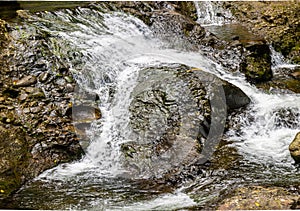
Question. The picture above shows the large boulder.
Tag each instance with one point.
(177, 116)
(295, 148)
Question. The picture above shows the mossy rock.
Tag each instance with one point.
(256, 64)
(277, 21)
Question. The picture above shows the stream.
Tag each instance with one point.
(114, 48)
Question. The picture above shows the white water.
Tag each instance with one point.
(119, 52)
(278, 61)
(211, 14)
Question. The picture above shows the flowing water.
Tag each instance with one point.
(114, 48)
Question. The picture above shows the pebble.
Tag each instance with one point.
(43, 77)
(26, 110)
(35, 110)
(23, 97)
(69, 88)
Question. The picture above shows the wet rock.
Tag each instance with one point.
(85, 113)
(187, 8)
(25, 81)
(295, 148)
(23, 14)
(68, 79)
(43, 77)
(26, 110)
(177, 28)
(256, 64)
(235, 97)
(174, 110)
(60, 82)
(260, 198)
(278, 22)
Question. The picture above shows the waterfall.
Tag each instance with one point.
(115, 48)
(211, 13)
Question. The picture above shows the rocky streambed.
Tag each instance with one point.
(61, 98)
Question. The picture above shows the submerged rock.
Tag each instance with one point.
(295, 148)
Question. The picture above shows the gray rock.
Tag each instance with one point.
(177, 116)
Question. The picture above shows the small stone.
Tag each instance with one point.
(23, 14)
(25, 81)
(35, 109)
(30, 89)
(69, 88)
(235, 37)
(26, 110)
(2, 99)
(43, 77)
(37, 93)
(10, 107)
(68, 79)
(23, 97)
(33, 103)
(60, 82)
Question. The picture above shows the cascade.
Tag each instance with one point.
(115, 47)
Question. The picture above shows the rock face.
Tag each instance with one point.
(261, 198)
(295, 148)
(278, 22)
(36, 133)
(176, 115)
